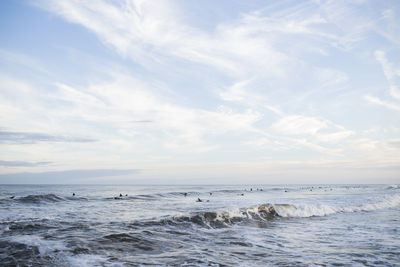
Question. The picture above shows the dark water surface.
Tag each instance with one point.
(302, 225)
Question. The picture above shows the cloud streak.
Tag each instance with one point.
(6, 163)
(32, 137)
(67, 176)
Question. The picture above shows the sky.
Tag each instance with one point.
(199, 92)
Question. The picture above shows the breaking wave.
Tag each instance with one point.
(267, 212)
(393, 186)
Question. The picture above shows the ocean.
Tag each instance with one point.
(247, 225)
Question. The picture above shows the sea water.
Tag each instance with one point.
(247, 225)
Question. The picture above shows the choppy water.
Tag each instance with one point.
(324, 225)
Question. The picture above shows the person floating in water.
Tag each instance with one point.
(73, 194)
(120, 195)
(210, 194)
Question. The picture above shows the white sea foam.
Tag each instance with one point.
(4, 228)
(223, 215)
(84, 260)
(324, 210)
(304, 210)
(44, 246)
(23, 220)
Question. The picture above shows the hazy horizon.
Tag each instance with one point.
(199, 92)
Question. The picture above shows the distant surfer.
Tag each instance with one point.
(73, 194)
(199, 200)
(12, 197)
(120, 195)
(185, 194)
(210, 194)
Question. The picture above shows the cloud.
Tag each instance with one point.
(390, 73)
(125, 98)
(67, 176)
(22, 60)
(6, 163)
(32, 137)
(395, 143)
(298, 125)
(310, 132)
(377, 101)
(142, 121)
(152, 32)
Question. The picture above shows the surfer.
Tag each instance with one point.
(199, 200)
(73, 194)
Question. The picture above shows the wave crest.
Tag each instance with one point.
(41, 198)
(266, 212)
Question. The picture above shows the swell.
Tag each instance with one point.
(260, 215)
(40, 198)
(324, 210)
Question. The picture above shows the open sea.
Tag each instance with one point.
(258, 225)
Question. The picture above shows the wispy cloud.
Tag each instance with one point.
(377, 101)
(67, 176)
(390, 72)
(322, 130)
(6, 163)
(32, 137)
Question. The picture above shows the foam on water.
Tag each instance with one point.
(88, 260)
(44, 246)
(324, 210)
(393, 186)
(269, 211)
